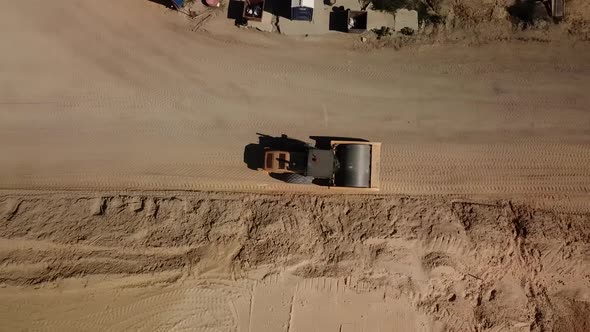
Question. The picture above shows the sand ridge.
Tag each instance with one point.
(279, 263)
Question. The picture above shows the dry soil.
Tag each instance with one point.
(117, 95)
(244, 262)
(103, 105)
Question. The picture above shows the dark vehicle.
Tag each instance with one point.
(349, 164)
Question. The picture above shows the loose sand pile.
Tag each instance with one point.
(273, 263)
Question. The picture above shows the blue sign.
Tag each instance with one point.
(301, 14)
(178, 3)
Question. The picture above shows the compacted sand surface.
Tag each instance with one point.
(110, 95)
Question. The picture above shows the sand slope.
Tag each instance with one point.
(238, 262)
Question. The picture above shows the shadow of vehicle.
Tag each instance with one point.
(338, 19)
(292, 178)
(528, 12)
(323, 182)
(254, 156)
(254, 152)
(235, 11)
(279, 8)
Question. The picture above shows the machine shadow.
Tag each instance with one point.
(279, 8)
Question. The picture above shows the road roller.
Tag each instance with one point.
(337, 164)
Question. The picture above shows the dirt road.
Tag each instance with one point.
(111, 95)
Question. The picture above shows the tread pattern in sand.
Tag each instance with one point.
(125, 112)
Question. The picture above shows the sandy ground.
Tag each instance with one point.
(243, 262)
(145, 103)
(118, 99)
